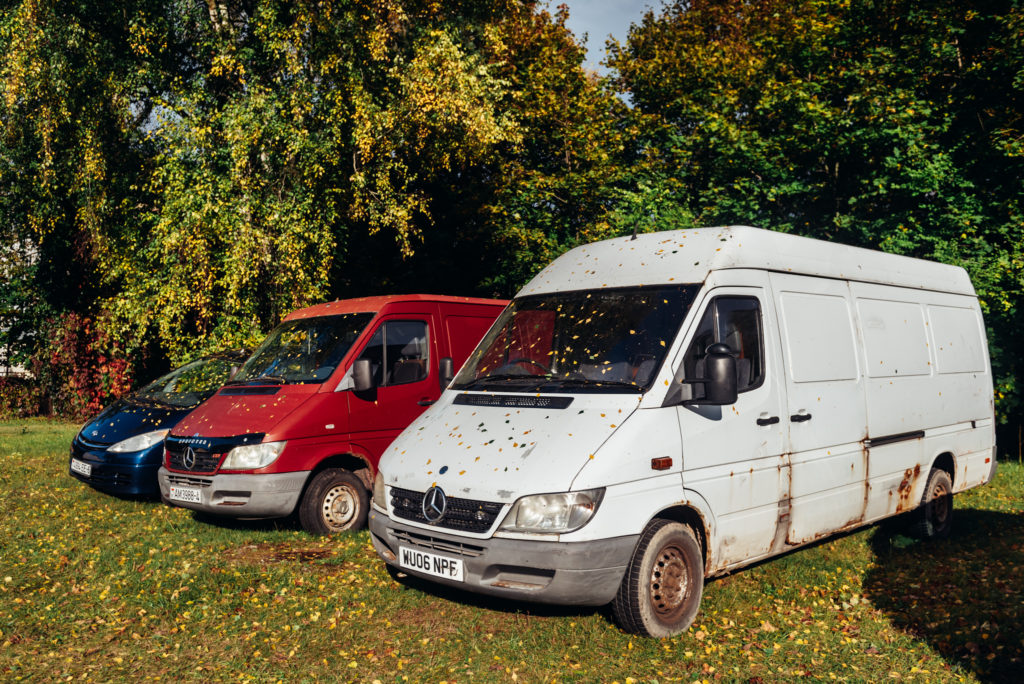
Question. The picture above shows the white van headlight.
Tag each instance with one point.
(552, 513)
(252, 456)
(379, 500)
(139, 442)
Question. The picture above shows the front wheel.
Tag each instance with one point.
(660, 593)
(935, 515)
(335, 501)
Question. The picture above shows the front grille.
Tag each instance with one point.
(188, 481)
(209, 451)
(434, 544)
(464, 515)
(206, 462)
(93, 446)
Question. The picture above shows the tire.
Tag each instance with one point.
(934, 517)
(335, 501)
(660, 592)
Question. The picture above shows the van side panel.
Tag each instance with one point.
(825, 405)
(928, 391)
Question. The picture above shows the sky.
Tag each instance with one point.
(599, 18)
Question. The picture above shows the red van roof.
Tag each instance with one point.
(375, 304)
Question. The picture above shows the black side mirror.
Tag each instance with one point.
(718, 386)
(362, 376)
(445, 371)
(720, 369)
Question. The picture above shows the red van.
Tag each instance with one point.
(305, 420)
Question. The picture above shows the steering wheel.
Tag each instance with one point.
(523, 359)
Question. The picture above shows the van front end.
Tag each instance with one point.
(200, 473)
(464, 546)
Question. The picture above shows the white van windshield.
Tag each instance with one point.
(305, 350)
(610, 340)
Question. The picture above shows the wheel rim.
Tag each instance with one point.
(670, 582)
(940, 505)
(339, 507)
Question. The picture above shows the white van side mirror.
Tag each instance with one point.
(446, 371)
(718, 387)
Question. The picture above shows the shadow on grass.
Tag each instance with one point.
(963, 595)
(509, 606)
(225, 522)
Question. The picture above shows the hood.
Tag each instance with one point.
(243, 409)
(126, 418)
(501, 452)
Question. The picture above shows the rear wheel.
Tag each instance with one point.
(335, 501)
(935, 514)
(660, 593)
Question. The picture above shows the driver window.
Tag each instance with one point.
(735, 321)
(398, 353)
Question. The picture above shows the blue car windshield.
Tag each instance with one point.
(189, 385)
(305, 350)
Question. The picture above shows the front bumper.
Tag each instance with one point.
(566, 573)
(132, 474)
(239, 495)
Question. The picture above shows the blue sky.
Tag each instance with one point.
(599, 18)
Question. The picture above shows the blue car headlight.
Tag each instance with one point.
(139, 442)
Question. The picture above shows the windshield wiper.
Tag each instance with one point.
(505, 378)
(584, 382)
(261, 380)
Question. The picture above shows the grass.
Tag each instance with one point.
(98, 588)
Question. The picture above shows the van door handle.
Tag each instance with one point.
(800, 417)
(426, 402)
(764, 420)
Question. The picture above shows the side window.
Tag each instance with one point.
(398, 353)
(735, 321)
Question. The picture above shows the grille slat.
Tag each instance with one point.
(465, 515)
(435, 544)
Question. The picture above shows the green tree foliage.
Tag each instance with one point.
(892, 125)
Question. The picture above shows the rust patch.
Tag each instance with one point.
(906, 487)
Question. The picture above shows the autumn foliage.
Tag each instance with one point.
(189, 172)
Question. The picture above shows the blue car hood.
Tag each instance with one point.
(126, 418)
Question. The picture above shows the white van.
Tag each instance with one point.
(653, 411)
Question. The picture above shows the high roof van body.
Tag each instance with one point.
(653, 411)
(304, 422)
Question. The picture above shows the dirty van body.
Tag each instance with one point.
(119, 451)
(302, 425)
(653, 411)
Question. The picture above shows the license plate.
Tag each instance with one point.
(431, 564)
(81, 467)
(186, 494)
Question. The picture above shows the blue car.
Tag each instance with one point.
(120, 450)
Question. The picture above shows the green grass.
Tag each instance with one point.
(98, 588)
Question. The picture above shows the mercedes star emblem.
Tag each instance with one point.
(189, 459)
(435, 503)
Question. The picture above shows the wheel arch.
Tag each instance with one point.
(945, 461)
(690, 515)
(356, 464)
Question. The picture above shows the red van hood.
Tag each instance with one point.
(236, 413)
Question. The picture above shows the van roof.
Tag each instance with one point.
(689, 256)
(374, 304)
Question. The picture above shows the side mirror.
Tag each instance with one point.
(362, 376)
(720, 368)
(718, 387)
(445, 371)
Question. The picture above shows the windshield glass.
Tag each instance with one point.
(601, 340)
(191, 384)
(305, 350)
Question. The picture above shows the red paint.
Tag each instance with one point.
(361, 426)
